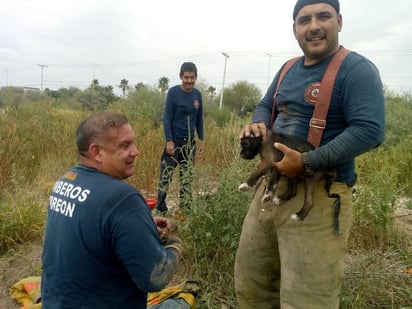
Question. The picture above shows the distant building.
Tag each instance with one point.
(30, 89)
(25, 90)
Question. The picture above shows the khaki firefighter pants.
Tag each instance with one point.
(283, 263)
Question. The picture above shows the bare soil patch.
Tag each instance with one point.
(403, 218)
(16, 264)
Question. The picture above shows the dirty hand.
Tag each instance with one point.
(170, 147)
(200, 146)
(163, 226)
(291, 163)
(256, 129)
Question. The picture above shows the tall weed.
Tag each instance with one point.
(211, 235)
(22, 216)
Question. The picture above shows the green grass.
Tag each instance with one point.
(22, 216)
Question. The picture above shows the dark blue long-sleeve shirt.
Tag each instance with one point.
(101, 247)
(356, 118)
(183, 115)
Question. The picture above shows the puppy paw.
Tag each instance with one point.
(244, 187)
(266, 197)
(276, 200)
(295, 217)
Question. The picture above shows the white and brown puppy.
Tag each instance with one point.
(251, 146)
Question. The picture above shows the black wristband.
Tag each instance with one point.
(306, 164)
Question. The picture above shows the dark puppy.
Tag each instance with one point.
(252, 146)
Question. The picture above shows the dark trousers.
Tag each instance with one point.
(185, 151)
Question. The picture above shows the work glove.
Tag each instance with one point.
(174, 241)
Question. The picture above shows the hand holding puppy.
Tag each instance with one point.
(255, 129)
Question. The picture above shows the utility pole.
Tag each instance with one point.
(270, 56)
(224, 77)
(42, 66)
(7, 77)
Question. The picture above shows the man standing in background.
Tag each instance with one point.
(182, 119)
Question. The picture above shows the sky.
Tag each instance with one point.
(61, 43)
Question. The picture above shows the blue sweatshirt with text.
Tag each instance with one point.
(101, 246)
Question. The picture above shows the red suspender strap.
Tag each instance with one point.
(318, 122)
(282, 74)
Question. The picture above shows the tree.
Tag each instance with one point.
(108, 93)
(147, 102)
(95, 84)
(62, 93)
(163, 84)
(139, 86)
(91, 100)
(242, 97)
(124, 86)
(96, 97)
(211, 91)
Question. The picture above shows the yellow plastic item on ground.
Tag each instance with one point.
(186, 291)
(26, 292)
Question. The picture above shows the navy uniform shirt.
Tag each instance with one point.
(356, 117)
(183, 114)
(101, 247)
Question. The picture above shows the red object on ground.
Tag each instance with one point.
(179, 215)
(151, 203)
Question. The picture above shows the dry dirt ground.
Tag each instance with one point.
(24, 260)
